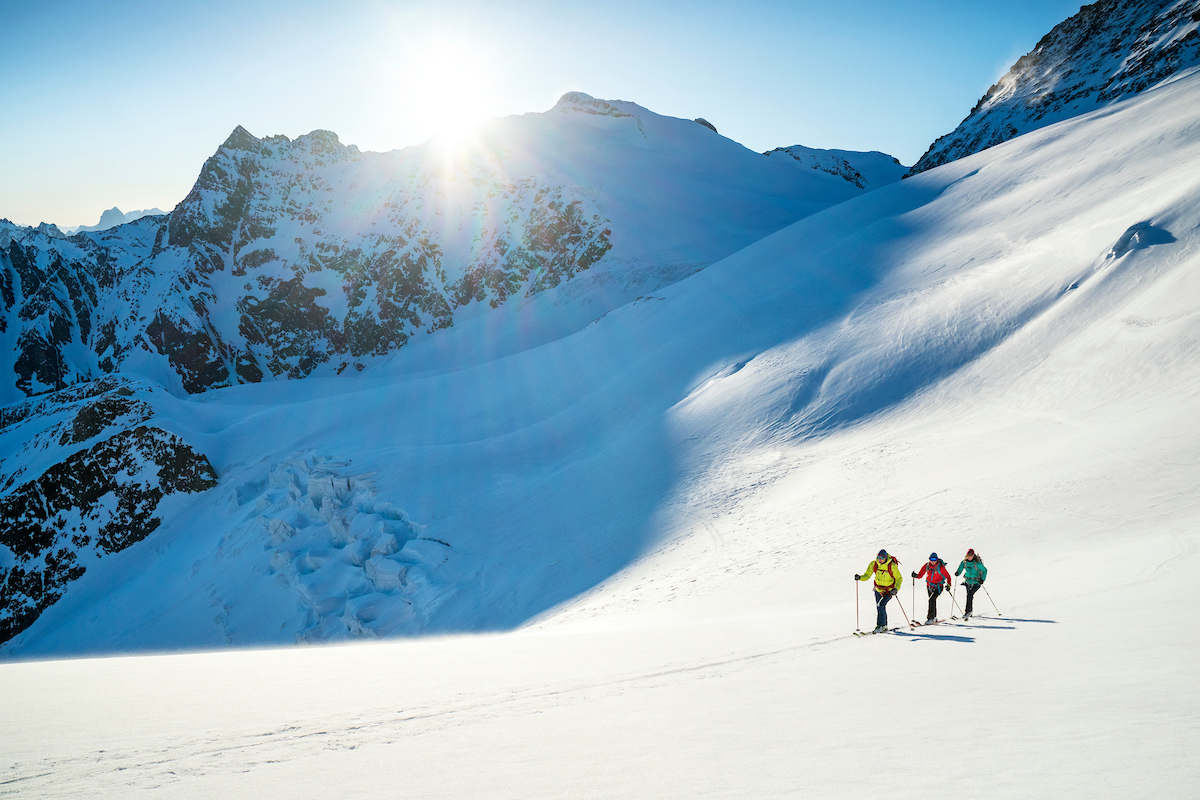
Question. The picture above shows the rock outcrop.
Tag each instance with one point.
(100, 475)
(1110, 50)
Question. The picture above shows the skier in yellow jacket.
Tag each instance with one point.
(886, 571)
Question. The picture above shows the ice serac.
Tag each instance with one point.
(1109, 50)
(290, 258)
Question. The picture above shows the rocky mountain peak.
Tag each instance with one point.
(240, 139)
(585, 103)
(50, 229)
(1110, 50)
(111, 217)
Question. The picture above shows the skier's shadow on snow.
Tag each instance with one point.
(946, 637)
(1018, 619)
(988, 627)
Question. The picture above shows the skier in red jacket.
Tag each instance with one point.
(937, 577)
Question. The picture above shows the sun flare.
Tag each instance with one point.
(450, 87)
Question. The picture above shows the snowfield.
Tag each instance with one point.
(650, 527)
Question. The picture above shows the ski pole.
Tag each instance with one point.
(901, 605)
(857, 624)
(990, 600)
(954, 600)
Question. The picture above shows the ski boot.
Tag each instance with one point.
(879, 629)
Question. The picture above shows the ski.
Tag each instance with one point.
(872, 633)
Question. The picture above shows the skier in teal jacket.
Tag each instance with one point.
(974, 574)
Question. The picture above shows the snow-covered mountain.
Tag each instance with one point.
(666, 493)
(1000, 353)
(291, 258)
(413, 498)
(866, 170)
(1109, 50)
(114, 217)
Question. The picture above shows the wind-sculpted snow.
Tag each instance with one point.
(868, 170)
(1109, 50)
(105, 476)
(290, 258)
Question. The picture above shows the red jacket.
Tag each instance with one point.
(937, 574)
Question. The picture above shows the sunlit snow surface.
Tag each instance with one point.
(1002, 353)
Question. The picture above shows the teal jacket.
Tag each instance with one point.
(975, 571)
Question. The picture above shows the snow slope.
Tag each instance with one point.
(999, 353)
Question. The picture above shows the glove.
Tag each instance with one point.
(857, 577)
(947, 586)
(914, 574)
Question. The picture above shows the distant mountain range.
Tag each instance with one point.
(291, 258)
(114, 217)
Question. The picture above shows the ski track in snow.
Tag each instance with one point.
(197, 756)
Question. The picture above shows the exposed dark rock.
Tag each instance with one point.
(45, 404)
(705, 123)
(194, 354)
(94, 417)
(95, 503)
(289, 326)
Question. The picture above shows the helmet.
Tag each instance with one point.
(881, 554)
(933, 557)
(971, 552)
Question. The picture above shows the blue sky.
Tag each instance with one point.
(119, 102)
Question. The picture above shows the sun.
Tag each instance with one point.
(451, 90)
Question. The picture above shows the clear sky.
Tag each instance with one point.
(119, 102)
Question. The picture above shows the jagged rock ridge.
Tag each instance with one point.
(1109, 50)
(291, 257)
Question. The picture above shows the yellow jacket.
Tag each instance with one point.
(887, 574)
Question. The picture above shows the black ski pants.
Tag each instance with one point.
(881, 601)
(972, 588)
(934, 590)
